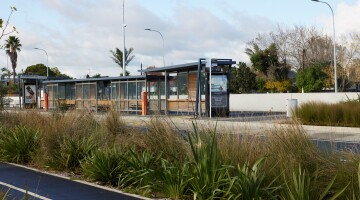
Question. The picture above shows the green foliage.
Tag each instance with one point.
(312, 79)
(117, 57)
(243, 80)
(260, 84)
(104, 165)
(173, 179)
(12, 46)
(302, 186)
(209, 175)
(249, 183)
(19, 145)
(41, 70)
(139, 169)
(267, 62)
(340, 114)
(72, 150)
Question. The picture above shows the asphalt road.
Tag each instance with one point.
(18, 181)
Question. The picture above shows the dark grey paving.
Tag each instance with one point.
(51, 186)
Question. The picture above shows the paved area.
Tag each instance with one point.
(263, 126)
(19, 181)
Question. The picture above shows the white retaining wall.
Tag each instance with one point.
(277, 102)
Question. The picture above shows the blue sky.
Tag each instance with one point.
(78, 34)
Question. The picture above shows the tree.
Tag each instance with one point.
(41, 70)
(243, 80)
(312, 79)
(117, 57)
(12, 46)
(5, 72)
(4, 27)
(266, 62)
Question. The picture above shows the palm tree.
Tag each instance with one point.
(12, 46)
(5, 73)
(117, 57)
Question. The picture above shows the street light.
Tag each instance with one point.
(124, 25)
(47, 59)
(332, 12)
(148, 29)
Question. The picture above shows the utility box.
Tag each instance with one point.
(291, 105)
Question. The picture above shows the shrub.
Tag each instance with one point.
(19, 145)
(104, 165)
(71, 151)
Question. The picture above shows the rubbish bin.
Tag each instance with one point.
(291, 106)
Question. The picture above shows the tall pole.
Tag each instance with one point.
(124, 52)
(333, 16)
(162, 37)
(47, 59)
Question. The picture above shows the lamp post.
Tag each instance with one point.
(47, 59)
(124, 52)
(332, 12)
(148, 29)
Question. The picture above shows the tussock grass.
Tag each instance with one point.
(158, 161)
(340, 114)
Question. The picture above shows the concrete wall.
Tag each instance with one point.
(277, 102)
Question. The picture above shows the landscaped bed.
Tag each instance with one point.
(159, 162)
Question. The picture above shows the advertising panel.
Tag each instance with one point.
(219, 91)
(30, 94)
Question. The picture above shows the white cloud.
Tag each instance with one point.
(80, 38)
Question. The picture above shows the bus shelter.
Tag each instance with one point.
(185, 88)
(94, 94)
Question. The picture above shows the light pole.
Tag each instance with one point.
(124, 52)
(148, 29)
(47, 59)
(332, 12)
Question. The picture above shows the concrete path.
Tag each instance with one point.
(263, 127)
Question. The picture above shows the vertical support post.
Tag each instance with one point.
(144, 104)
(208, 65)
(166, 93)
(46, 101)
(20, 93)
(198, 89)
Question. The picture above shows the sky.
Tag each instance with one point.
(79, 34)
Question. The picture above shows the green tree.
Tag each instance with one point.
(5, 72)
(266, 62)
(41, 70)
(12, 46)
(243, 80)
(117, 57)
(312, 79)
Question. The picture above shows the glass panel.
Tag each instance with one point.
(123, 91)
(56, 95)
(61, 91)
(113, 91)
(162, 89)
(70, 91)
(50, 90)
(78, 91)
(183, 85)
(153, 90)
(92, 91)
(107, 92)
(100, 90)
(173, 88)
(86, 90)
(132, 90)
(140, 88)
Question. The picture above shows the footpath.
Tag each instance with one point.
(263, 127)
